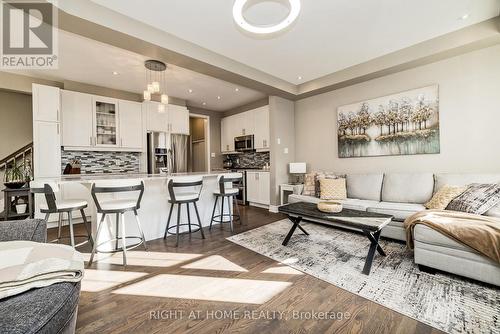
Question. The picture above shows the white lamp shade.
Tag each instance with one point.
(297, 168)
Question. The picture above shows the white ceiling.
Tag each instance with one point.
(328, 36)
(88, 61)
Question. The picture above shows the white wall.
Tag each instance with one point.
(469, 93)
(282, 129)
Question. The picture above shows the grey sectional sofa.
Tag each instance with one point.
(51, 309)
(402, 195)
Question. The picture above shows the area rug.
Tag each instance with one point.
(446, 302)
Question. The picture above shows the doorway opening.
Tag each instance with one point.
(199, 143)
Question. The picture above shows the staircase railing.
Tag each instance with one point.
(20, 154)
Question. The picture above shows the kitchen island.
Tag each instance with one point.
(154, 210)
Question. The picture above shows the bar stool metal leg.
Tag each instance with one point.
(178, 223)
(140, 229)
(222, 212)
(117, 229)
(230, 213)
(71, 232)
(59, 227)
(94, 248)
(124, 241)
(213, 212)
(199, 220)
(237, 209)
(85, 223)
(189, 217)
(168, 221)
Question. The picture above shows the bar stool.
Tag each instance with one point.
(184, 196)
(118, 207)
(229, 193)
(60, 207)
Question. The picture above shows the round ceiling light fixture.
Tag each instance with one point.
(240, 5)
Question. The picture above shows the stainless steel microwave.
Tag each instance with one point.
(244, 143)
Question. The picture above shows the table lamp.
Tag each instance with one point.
(297, 169)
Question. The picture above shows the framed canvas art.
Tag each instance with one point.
(399, 124)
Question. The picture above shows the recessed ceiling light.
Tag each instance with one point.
(299, 77)
(204, 103)
(236, 89)
(239, 6)
(115, 73)
(464, 17)
(218, 97)
(190, 90)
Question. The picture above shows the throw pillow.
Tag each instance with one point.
(333, 188)
(310, 184)
(443, 197)
(324, 175)
(477, 199)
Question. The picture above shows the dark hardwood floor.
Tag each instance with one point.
(103, 311)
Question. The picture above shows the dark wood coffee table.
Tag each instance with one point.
(370, 223)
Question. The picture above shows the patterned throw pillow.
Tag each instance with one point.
(478, 198)
(325, 175)
(443, 197)
(310, 184)
(333, 188)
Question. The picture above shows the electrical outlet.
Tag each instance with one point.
(278, 141)
(212, 155)
(285, 150)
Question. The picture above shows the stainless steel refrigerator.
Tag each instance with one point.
(167, 153)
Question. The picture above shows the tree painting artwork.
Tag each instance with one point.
(399, 124)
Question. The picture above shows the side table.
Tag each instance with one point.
(12, 194)
(287, 188)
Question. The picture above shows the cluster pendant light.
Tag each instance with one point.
(156, 83)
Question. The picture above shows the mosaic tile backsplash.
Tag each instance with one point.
(250, 159)
(103, 162)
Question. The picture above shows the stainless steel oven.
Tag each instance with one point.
(244, 143)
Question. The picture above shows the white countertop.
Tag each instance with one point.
(124, 176)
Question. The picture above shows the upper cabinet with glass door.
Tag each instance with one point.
(106, 121)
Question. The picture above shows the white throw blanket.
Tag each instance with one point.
(26, 265)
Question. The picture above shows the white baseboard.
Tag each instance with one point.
(257, 205)
(273, 208)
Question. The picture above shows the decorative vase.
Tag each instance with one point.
(21, 208)
(14, 184)
(330, 207)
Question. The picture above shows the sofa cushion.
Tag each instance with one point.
(407, 188)
(400, 211)
(494, 211)
(309, 184)
(477, 199)
(443, 197)
(324, 175)
(43, 310)
(463, 179)
(430, 236)
(365, 186)
(333, 189)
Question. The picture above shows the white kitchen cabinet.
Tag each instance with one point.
(261, 133)
(46, 149)
(76, 117)
(178, 117)
(156, 120)
(258, 187)
(105, 113)
(46, 103)
(253, 122)
(248, 123)
(130, 116)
